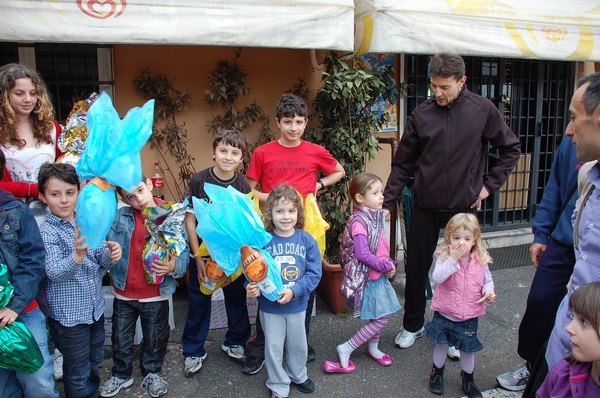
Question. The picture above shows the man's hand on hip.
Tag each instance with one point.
(482, 195)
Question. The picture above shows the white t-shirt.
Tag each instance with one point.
(24, 164)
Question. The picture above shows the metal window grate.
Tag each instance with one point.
(9, 53)
(70, 72)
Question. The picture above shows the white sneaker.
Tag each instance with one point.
(57, 363)
(453, 353)
(234, 351)
(155, 385)
(405, 339)
(193, 364)
(516, 380)
(113, 385)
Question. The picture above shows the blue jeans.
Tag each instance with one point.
(197, 322)
(40, 383)
(83, 352)
(154, 317)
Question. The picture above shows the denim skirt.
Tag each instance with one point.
(379, 299)
(462, 335)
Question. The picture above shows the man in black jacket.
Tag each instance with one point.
(444, 148)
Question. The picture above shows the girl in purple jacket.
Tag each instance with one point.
(578, 376)
(464, 287)
(365, 257)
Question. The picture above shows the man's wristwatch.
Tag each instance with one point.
(321, 184)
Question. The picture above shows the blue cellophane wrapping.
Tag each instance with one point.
(112, 152)
(227, 223)
(18, 349)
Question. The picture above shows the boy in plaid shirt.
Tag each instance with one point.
(74, 285)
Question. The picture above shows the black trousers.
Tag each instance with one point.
(548, 288)
(423, 234)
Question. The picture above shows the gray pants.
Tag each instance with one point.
(284, 331)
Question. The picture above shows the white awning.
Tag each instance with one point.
(543, 29)
(309, 24)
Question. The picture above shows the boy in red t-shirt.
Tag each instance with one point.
(288, 160)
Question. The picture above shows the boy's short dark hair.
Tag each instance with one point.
(121, 189)
(233, 137)
(2, 163)
(447, 65)
(61, 171)
(290, 105)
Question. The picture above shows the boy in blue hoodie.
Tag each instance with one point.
(299, 259)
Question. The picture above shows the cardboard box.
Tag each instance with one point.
(514, 194)
(218, 315)
(137, 339)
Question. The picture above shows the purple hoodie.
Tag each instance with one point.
(567, 380)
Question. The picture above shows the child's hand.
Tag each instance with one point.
(252, 289)
(7, 316)
(458, 252)
(287, 296)
(115, 251)
(390, 274)
(164, 267)
(488, 296)
(80, 248)
(201, 268)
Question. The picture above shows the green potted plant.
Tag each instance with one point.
(167, 131)
(227, 86)
(348, 124)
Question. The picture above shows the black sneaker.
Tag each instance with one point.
(252, 365)
(307, 387)
(311, 354)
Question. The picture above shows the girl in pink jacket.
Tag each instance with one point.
(464, 287)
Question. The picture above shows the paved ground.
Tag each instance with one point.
(221, 377)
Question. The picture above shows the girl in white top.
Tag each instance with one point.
(28, 133)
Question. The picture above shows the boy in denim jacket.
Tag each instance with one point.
(22, 251)
(136, 298)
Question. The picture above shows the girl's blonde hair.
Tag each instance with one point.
(470, 223)
(287, 193)
(361, 183)
(42, 115)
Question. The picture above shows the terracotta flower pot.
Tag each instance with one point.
(329, 287)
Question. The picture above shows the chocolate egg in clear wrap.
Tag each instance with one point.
(254, 263)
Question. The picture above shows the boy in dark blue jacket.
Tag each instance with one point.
(553, 255)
